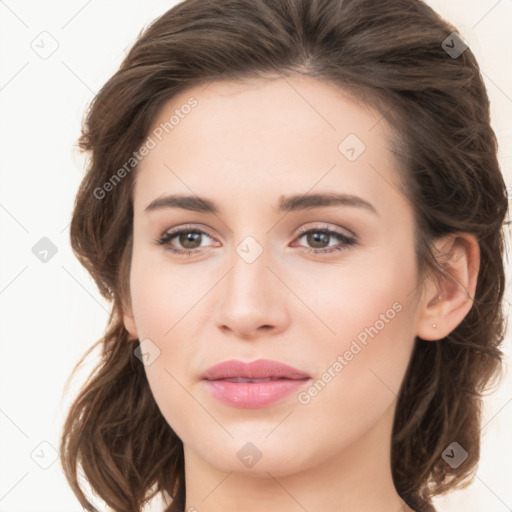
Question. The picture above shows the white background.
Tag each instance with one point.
(51, 312)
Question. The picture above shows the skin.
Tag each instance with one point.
(244, 146)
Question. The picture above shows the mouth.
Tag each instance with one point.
(253, 385)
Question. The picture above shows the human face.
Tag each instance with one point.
(253, 287)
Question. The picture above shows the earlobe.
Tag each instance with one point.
(449, 298)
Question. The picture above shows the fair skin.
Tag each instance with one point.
(244, 146)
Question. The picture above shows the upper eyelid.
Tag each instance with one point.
(324, 227)
(178, 229)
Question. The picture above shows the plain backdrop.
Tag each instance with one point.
(51, 311)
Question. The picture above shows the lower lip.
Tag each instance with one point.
(253, 394)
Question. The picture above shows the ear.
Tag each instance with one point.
(129, 322)
(448, 299)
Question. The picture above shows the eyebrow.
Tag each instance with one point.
(287, 203)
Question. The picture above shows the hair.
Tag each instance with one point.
(388, 55)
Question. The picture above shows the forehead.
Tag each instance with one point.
(270, 103)
(274, 133)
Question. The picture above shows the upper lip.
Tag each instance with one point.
(260, 369)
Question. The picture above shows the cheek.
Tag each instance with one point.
(162, 293)
(359, 371)
(367, 290)
(372, 297)
(369, 308)
(163, 299)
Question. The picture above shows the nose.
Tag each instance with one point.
(252, 299)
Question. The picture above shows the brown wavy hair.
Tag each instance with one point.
(387, 54)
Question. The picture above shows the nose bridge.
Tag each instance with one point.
(249, 262)
(248, 294)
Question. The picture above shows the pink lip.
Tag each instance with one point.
(285, 380)
(259, 369)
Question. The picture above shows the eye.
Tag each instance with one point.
(321, 235)
(188, 238)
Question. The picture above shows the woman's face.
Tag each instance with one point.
(255, 280)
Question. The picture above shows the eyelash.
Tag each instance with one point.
(167, 236)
